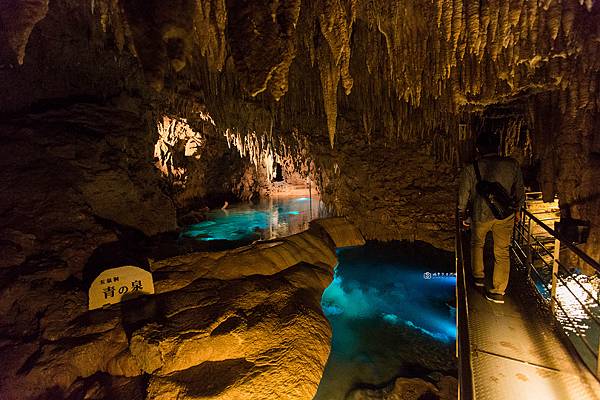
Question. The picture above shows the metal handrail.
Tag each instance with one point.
(560, 265)
(533, 269)
(548, 252)
(587, 311)
(463, 346)
(589, 260)
(557, 268)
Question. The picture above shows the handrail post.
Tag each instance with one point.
(598, 361)
(555, 261)
(529, 250)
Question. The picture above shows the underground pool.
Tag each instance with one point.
(268, 219)
(390, 305)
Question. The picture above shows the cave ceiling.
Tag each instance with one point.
(404, 69)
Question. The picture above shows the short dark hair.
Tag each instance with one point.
(488, 142)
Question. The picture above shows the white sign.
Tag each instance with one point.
(114, 284)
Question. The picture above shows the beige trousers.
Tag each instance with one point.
(502, 233)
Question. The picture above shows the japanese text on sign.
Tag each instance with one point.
(116, 284)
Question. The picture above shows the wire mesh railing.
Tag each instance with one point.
(572, 293)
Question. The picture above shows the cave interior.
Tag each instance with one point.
(126, 123)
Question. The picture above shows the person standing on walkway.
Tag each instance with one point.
(490, 167)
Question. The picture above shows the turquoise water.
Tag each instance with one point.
(391, 308)
(266, 220)
(378, 280)
(390, 305)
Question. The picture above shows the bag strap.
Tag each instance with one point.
(477, 173)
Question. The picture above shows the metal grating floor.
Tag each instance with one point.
(516, 354)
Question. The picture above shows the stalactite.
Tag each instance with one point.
(473, 26)
(422, 65)
(334, 63)
(503, 24)
(457, 25)
(554, 17)
(483, 30)
(210, 22)
(330, 77)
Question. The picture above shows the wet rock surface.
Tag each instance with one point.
(445, 388)
(249, 324)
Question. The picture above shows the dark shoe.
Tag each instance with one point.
(495, 297)
(479, 282)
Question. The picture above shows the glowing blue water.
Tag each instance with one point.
(265, 220)
(374, 282)
(391, 308)
(390, 305)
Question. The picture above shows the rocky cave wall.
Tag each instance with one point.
(201, 168)
(409, 76)
(375, 100)
(293, 73)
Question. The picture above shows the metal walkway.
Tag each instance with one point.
(515, 350)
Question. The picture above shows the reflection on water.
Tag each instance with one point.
(391, 307)
(271, 218)
(573, 293)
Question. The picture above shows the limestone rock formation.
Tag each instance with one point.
(18, 19)
(403, 193)
(445, 388)
(200, 167)
(84, 84)
(258, 337)
(263, 258)
(243, 323)
(73, 179)
(246, 322)
(412, 75)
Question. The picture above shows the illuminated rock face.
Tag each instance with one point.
(248, 324)
(370, 98)
(257, 337)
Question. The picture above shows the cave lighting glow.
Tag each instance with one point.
(398, 294)
(580, 289)
(391, 309)
(265, 220)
